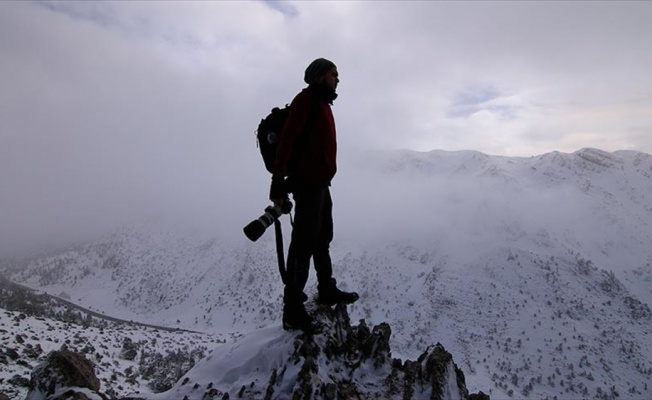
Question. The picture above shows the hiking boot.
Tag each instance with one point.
(295, 317)
(330, 295)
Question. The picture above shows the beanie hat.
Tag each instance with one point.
(317, 69)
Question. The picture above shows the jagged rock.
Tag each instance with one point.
(340, 362)
(358, 364)
(64, 375)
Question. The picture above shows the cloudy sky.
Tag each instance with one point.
(112, 108)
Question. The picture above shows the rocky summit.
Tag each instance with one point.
(341, 361)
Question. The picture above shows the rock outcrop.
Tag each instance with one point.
(64, 375)
(340, 362)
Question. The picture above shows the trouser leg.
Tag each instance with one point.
(311, 236)
(321, 255)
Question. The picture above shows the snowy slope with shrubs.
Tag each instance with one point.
(128, 358)
(535, 273)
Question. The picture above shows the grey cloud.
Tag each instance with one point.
(284, 7)
(111, 110)
(96, 11)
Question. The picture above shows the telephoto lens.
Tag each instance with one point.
(257, 227)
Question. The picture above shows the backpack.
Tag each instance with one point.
(268, 134)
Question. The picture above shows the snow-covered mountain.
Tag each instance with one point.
(533, 272)
(128, 357)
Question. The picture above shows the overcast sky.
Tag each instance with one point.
(113, 108)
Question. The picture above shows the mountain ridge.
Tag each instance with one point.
(551, 252)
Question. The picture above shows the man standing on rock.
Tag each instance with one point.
(306, 154)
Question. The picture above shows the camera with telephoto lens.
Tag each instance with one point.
(257, 227)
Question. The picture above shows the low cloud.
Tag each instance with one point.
(113, 110)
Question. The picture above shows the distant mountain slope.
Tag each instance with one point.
(128, 357)
(533, 272)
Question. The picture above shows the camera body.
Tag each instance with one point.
(255, 229)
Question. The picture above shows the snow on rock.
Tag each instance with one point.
(341, 361)
(64, 375)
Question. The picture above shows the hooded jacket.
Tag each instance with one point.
(307, 149)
